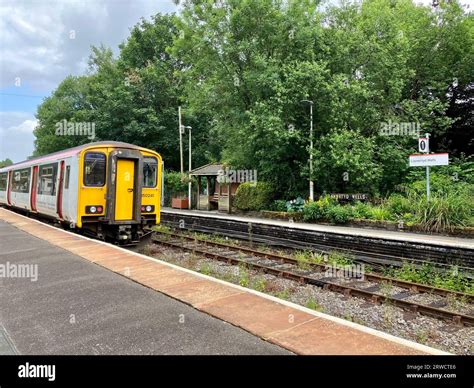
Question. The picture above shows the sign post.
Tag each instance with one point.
(426, 159)
(424, 146)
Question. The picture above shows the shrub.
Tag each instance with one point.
(295, 205)
(251, 196)
(176, 183)
(279, 205)
(379, 213)
(398, 205)
(338, 214)
(444, 211)
(318, 210)
(361, 210)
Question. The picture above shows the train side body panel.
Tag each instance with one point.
(80, 188)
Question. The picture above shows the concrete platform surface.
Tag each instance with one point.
(76, 307)
(420, 238)
(115, 315)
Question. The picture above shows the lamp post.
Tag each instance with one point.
(181, 130)
(190, 168)
(311, 183)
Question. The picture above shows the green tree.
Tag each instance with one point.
(5, 162)
(240, 69)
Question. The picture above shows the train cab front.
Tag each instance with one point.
(125, 201)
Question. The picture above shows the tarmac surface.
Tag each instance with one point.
(77, 307)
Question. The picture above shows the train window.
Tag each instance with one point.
(94, 169)
(21, 181)
(3, 181)
(47, 179)
(150, 168)
(66, 180)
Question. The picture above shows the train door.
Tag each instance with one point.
(124, 191)
(59, 203)
(124, 186)
(9, 189)
(34, 188)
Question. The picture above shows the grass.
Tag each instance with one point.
(213, 238)
(244, 277)
(206, 269)
(259, 284)
(313, 305)
(340, 259)
(162, 229)
(386, 289)
(455, 302)
(421, 336)
(428, 274)
(283, 294)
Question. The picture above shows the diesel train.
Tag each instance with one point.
(111, 190)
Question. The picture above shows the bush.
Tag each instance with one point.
(295, 205)
(444, 211)
(251, 196)
(361, 210)
(380, 214)
(338, 214)
(398, 205)
(176, 184)
(279, 205)
(318, 210)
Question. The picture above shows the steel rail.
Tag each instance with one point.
(325, 284)
(374, 258)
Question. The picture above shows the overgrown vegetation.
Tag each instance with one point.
(176, 183)
(428, 274)
(331, 258)
(451, 204)
(251, 196)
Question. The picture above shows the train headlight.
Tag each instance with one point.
(147, 208)
(94, 209)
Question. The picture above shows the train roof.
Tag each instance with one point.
(73, 151)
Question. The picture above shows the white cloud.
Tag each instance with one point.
(35, 36)
(35, 46)
(26, 126)
(16, 135)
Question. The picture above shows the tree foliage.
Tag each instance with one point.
(240, 69)
(5, 162)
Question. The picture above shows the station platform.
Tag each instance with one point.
(91, 297)
(419, 238)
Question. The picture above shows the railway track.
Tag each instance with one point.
(370, 288)
(364, 249)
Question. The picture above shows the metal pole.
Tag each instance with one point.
(180, 139)
(162, 184)
(189, 184)
(428, 170)
(311, 183)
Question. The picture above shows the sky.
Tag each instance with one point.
(44, 41)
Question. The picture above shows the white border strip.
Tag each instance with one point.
(353, 325)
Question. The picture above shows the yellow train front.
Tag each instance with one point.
(110, 190)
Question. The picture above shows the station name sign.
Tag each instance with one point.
(428, 160)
